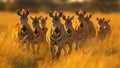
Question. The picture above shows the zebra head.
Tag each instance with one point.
(43, 22)
(106, 23)
(83, 24)
(101, 25)
(88, 17)
(80, 14)
(107, 27)
(56, 25)
(35, 23)
(68, 23)
(23, 16)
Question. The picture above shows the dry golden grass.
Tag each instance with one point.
(104, 54)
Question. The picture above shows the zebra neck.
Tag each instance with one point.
(37, 28)
(24, 23)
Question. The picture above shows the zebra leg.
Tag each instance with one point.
(33, 47)
(77, 45)
(58, 51)
(52, 48)
(70, 48)
(38, 48)
(65, 52)
(21, 44)
(81, 42)
(27, 45)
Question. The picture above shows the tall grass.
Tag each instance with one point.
(93, 54)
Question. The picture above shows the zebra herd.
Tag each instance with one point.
(59, 34)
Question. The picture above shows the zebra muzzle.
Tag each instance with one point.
(56, 38)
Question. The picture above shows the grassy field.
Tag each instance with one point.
(104, 54)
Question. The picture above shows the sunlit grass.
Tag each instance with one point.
(93, 55)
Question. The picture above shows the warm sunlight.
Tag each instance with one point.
(49, 34)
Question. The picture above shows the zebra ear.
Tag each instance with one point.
(76, 12)
(18, 12)
(31, 17)
(46, 18)
(103, 19)
(39, 17)
(50, 14)
(60, 14)
(84, 12)
(27, 12)
(86, 16)
(97, 19)
(108, 20)
(90, 16)
(64, 17)
(72, 18)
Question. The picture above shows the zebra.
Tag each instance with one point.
(43, 28)
(81, 29)
(91, 28)
(101, 34)
(69, 31)
(55, 34)
(104, 29)
(25, 33)
(37, 31)
(107, 27)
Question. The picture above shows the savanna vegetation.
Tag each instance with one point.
(105, 54)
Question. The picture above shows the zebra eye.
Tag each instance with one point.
(81, 25)
(24, 28)
(100, 28)
(42, 28)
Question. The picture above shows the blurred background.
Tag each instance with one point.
(64, 5)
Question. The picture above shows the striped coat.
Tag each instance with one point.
(69, 32)
(55, 34)
(91, 28)
(81, 29)
(104, 29)
(37, 32)
(25, 33)
(43, 28)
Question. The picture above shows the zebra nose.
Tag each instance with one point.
(42, 28)
(69, 31)
(24, 28)
(36, 32)
(57, 30)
